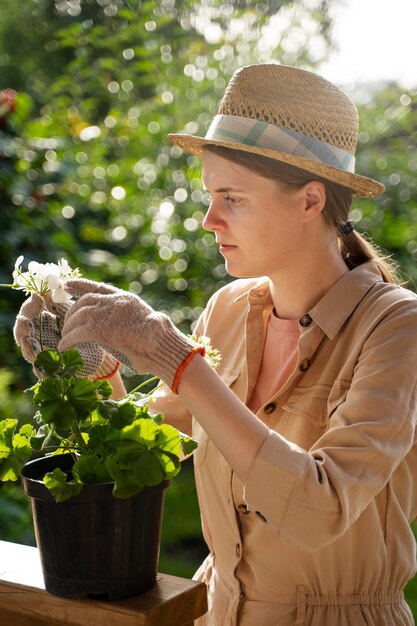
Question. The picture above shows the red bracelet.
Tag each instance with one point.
(180, 371)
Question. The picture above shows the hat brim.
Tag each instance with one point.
(361, 186)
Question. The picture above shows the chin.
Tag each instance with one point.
(241, 273)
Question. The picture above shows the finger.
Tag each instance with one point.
(80, 286)
(57, 308)
(22, 328)
(33, 306)
(75, 337)
(82, 325)
(84, 312)
(30, 348)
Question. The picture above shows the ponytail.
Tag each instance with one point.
(354, 248)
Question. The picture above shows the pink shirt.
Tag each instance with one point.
(278, 361)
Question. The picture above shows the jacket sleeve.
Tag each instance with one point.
(326, 488)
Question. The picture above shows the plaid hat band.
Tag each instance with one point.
(250, 132)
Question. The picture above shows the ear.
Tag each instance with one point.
(314, 200)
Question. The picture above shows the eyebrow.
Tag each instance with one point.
(226, 189)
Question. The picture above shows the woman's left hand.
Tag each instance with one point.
(122, 323)
(38, 327)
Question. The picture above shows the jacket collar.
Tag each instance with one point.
(259, 293)
(336, 306)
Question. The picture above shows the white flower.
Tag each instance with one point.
(54, 282)
(213, 355)
(19, 261)
(65, 269)
(44, 277)
(19, 279)
(60, 296)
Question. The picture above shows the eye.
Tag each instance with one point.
(232, 201)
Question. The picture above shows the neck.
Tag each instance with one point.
(296, 291)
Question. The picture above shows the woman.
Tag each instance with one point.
(307, 465)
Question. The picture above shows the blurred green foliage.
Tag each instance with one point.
(387, 152)
(87, 172)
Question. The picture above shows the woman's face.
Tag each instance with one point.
(258, 223)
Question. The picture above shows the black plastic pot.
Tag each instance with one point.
(95, 545)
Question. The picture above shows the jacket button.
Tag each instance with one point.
(270, 408)
(261, 517)
(304, 365)
(306, 320)
(238, 550)
(243, 508)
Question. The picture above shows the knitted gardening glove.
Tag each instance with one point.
(126, 326)
(33, 336)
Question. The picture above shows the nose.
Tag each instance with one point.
(212, 220)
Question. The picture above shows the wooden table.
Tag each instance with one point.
(172, 601)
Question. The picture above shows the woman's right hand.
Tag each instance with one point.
(121, 322)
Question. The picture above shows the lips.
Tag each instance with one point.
(225, 247)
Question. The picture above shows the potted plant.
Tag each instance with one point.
(94, 468)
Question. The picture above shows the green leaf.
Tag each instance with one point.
(158, 418)
(64, 364)
(82, 395)
(147, 468)
(23, 436)
(118, 414)
(7, 428)
(125, 415)
(169, 463)
(72, 362)
(106, 409)
(48, 390)
(15, 448)
(49, 360)
(146, 455)
(61, 401)
(89, 469)
(125, 482)
(188, 444)
(103, 387)
(53, 404)
(169, 440)
(143, 431)
(36, 441)
(103, 439)
(59, 487)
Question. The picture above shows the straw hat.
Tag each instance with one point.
(289, 115)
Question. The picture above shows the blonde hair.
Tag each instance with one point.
(354, 247)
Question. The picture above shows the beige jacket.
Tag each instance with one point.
(319, 535)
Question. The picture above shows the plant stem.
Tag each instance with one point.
(77, 434)
(48, 437)
(145, 382)
(40, 330)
